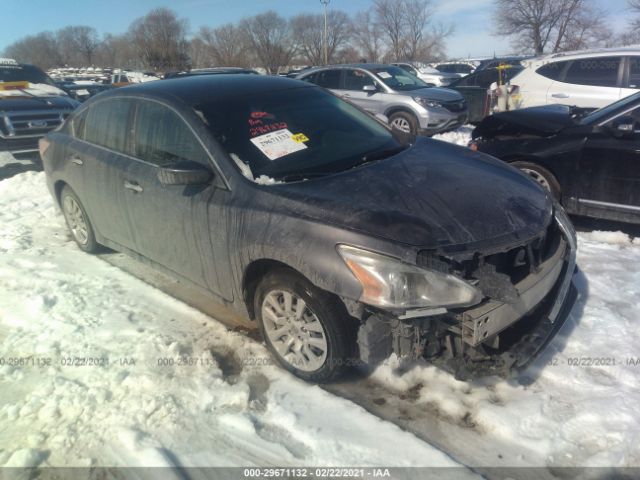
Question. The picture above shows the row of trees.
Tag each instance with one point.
(390, 30)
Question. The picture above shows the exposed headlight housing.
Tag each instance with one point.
(425, 102)
(389, 283)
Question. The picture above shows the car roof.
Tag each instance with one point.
(195, 89)
(598, 52)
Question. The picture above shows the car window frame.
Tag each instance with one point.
(343, 78)
(619, 75)
(218, 174)
(86, 112)
(132, 124)
(324, 70)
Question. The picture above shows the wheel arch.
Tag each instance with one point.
(400, 108)
(57, 189)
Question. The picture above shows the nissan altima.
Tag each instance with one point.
(345, 241)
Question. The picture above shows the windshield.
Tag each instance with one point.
(398, 78)
(296, 133)
(23, 73)
(603, 113)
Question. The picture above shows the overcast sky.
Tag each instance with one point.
(471, 18)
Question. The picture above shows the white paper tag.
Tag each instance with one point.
(384, 75)
(277, 144)
(83, 91)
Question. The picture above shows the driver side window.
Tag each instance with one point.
(162, 137)
(356, 80)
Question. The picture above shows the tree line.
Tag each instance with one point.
(390, 30)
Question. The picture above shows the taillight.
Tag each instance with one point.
(43, 145)
(473, 146)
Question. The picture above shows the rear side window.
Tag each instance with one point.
(598, 72)
(106, 124)
(634, 72)
(328, 79)
(77, 124)
(162, 137)
(552, 70)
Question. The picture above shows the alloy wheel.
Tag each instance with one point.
(294, 330)
(75, 218)
(401, 124)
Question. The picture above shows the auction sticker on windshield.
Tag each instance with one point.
(278, 144)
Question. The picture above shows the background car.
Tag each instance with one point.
(409, 104)
(588, 161)
(460, 69)
(212, 71)
(30, 106)
(475, 88)
(429, 75)
(589, 79)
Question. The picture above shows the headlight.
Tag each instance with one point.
(425, 102)
(387, 282)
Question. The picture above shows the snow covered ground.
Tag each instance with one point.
(156, 382)
(180, 388)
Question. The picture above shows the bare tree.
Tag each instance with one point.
(224, 46)
(77, 44)
(632, 35)
(550, 25)
(391, 17)
(308, 32)
(40, 49)
(367, 35)
(269, 36)
(160, 39)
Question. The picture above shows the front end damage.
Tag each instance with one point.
(527, 291)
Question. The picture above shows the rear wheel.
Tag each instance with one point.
(78, 221)
(306, 329)
(405, 122)
(540, 175)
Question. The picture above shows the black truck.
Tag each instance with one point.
(30, 106)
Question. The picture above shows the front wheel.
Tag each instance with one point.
(306, 329)
(540, 175)
(78, 221)
(405, 122)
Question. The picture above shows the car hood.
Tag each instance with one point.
(26, 102)
(544, 121)
(436, 93)
(434, 195)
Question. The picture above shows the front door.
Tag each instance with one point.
(170, 222)
(609, 170)
(352, 89)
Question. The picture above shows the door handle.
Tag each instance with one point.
(132, 186)
(560, 95)
(77, 160)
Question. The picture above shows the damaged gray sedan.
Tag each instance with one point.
(344, 240)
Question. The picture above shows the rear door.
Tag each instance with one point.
(588, 82)
(631, 83)
(100, 151)
(170, 222)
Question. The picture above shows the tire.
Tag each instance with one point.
(321, 318)
(540, 175)
(78, 221)
(404, 122)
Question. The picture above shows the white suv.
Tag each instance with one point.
(590, 79)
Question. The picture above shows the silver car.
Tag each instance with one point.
(408, 102)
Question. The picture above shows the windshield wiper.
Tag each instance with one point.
(381, 154)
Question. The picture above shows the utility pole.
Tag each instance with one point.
(326, 49)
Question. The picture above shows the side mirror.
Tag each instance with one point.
(624, 127)
(370, 88)
(184, 172)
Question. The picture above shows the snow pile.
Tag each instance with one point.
(461, 136)
(98, 368)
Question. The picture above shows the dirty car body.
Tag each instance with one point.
(592, 156)
(419, 247)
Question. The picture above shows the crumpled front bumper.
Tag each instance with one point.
(545, 320)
